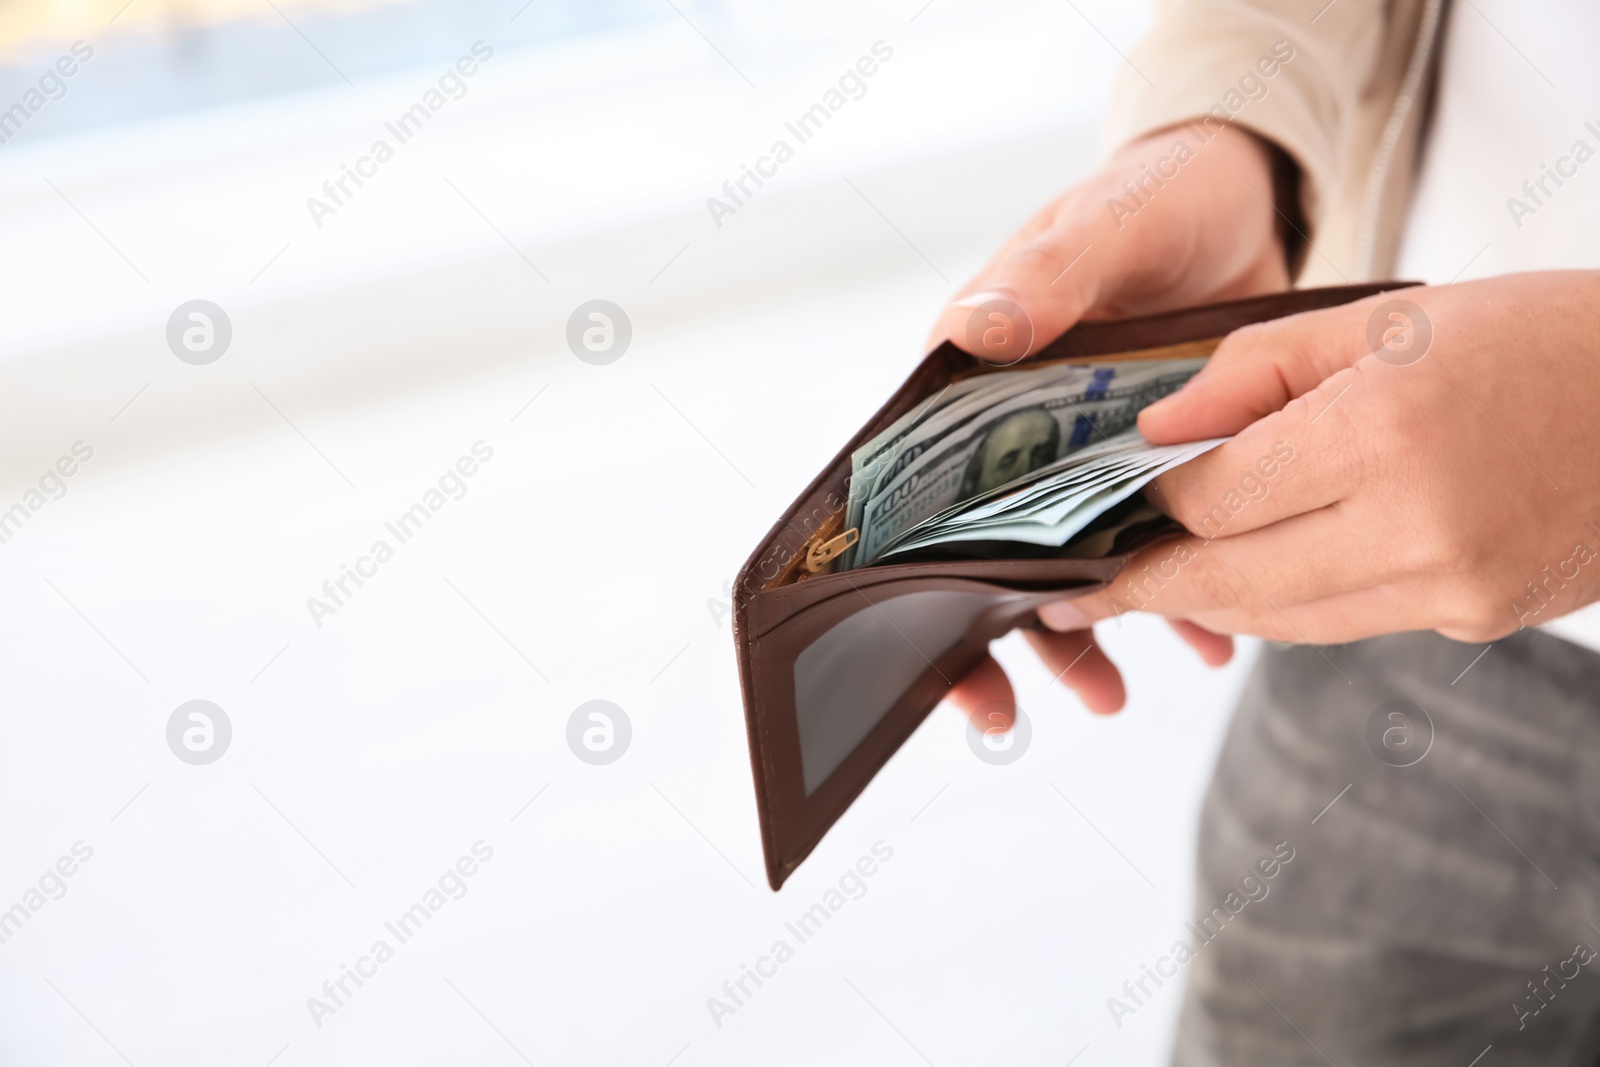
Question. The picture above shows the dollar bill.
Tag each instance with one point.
(868, 461)
(1008, 439)
(892, 450)
(1057, 507)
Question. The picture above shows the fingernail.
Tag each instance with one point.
(998, 715)
(1062, 615)
(979, 299)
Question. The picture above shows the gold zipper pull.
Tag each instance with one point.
(819, 556)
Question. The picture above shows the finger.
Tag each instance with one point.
(1316, 452)
(1026, 301)
(1335, 620)
(1455, 611)
(1215, 649)
(1079, 259)
(1258, 369)
(986, 696)
(952, 323)
(1068, 263)
(1076, 660)
(1298, 561)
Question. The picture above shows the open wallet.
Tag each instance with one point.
(840, 661)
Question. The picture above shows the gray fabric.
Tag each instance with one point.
(1414, 913)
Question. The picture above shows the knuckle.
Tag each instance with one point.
(1469, 608)
(1402, 428)
(1188, 506)
(1214, 585)
(1442, 546)
(1326, 402)
(1483, 611)
(1420, 545)
(1240, 343)
(1275, 333)
(1378, 434)
(1479, 633)
(1254, 624)
(1039, 258)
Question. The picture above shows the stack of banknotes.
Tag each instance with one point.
(1026, 456)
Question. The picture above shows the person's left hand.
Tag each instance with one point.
(1383, 480)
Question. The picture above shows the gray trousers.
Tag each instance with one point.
(1448, 899)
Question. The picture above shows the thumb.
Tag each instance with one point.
(1024, 300)
(1259, 368)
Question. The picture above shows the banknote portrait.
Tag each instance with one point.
(1019, 444)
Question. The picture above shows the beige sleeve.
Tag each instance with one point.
(1211, 57)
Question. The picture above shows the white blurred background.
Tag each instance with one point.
(588, 559)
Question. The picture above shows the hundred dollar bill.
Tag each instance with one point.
(870, 459)
(890, 451)
(1010, 440)
(1064, 513)
(878, 462)
(1082, 473)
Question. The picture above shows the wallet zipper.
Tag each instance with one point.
(819, 556)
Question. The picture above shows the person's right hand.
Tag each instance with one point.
(1208, 232)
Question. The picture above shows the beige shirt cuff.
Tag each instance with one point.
(1232, 63)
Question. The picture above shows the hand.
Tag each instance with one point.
(1450, 485)
(1209, 232)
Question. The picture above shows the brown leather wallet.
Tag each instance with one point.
(838, 669)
